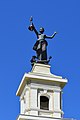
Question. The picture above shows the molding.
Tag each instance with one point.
(45, 87)
(51, 80)
(46, 111)
(58, 111)
(33, 117)
(39, 110)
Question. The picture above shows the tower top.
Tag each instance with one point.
(41, 73)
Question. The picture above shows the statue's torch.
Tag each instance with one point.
(31, 26)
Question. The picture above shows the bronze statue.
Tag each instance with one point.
(41, 44)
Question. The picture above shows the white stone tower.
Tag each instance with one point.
(40, 94)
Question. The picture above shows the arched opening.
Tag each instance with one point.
(44, 103)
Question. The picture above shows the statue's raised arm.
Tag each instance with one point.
(32, 27)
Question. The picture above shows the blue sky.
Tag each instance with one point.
(16, 43)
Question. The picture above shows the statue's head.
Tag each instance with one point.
(41, 30)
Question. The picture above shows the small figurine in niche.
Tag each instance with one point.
(41, 44)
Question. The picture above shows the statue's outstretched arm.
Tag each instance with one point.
(50, 37)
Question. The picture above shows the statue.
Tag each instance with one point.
(41, 44)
